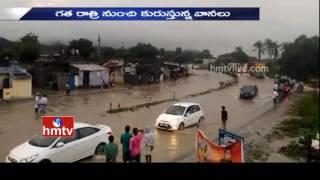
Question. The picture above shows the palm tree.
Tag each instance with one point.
(275, 50)
(269, 47)
(259, 47)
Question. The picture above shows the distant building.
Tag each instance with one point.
(15, 82)
(208, 61)
(88, 75)
(55, 73)
(116, 71)
(142, 71)
(170, 70)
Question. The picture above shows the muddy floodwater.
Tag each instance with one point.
(18, 122)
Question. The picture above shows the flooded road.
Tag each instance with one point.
(18, 123)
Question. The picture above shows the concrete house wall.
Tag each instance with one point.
(22, 88)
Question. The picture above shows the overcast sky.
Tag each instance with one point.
(280, 20)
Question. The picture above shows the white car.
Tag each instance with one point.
(89, 140)
(179, 116)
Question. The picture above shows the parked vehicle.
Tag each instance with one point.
(248, 91)
(179, 116)
(89, 140)
(259, 75)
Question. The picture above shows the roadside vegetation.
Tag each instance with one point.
(298, 59)
(303, 125)
(256, 152)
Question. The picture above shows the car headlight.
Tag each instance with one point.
(29, 159)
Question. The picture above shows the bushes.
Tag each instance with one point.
(294, 150)
(308, 109)
(304, 124)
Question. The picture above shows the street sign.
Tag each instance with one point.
(226, 135)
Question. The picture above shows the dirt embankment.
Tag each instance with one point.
(282, 140)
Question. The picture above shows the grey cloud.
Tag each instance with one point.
(281, 20)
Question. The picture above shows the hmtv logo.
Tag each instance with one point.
(58, 126)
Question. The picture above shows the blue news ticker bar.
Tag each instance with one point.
(143, 14)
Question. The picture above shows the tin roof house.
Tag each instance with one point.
(88, 75)
(116, 71)
(55, 72)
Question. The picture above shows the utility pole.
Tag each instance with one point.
(99, 48)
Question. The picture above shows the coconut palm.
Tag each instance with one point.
(275, 47)
(259, 47)
(269, 47)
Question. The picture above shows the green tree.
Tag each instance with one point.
(204, 54)
(237, 56)
(7, 53)
(170, 55)
(123, 53)
(269, 47)
(108, 52)
(186, 57)
(240, 56)
(142, 50)
(162, 52)
(84, 46)
(300, 59)
(28, 48)
(178, 51)
(259, 48)
(275, 50)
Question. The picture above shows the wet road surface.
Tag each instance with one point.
(18, 123)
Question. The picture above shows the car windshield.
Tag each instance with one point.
(40, 141)
(247, 88)
(176, 110)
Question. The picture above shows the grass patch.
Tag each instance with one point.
(303, 123)
(306, 117)
(294, 150)
(256, 153)
(275, 134)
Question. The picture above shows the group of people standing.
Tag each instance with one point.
(41, 103)
(227, 83)
(131, 146)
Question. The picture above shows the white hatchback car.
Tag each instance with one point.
(179, 116)
(89, 140)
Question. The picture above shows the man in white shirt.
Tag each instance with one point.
(36, 104)
(275, 96)
(43, 103)
(275, 86)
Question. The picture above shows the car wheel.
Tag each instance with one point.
(201, 119)
(181, 127)
(99, 149)
(45, 161)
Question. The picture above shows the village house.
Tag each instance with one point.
(88, 75)
(55, 72)
(170, 70)
(50, 73)
(116, 71)
(15, 82)
(142, 71)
